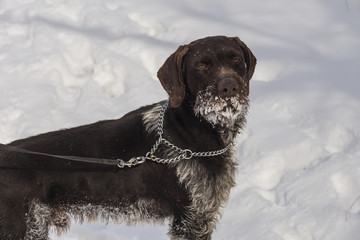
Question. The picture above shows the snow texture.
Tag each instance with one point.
(65, 63)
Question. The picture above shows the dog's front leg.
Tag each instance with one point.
(192, 226)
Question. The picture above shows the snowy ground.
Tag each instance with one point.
(65, 63)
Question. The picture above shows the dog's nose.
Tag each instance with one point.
(228, 87)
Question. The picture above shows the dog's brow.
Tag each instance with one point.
(206, 59)
(233, 53)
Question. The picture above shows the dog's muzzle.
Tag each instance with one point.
(223, 107)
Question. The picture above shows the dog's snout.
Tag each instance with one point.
(228, 87)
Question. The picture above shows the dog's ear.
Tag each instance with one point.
(249, 59)
(171, 76)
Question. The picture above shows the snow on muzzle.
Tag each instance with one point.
(221, 111)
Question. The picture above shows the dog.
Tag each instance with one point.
(173, 159)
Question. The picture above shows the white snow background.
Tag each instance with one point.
(65, 63)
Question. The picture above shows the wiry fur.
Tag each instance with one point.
(208, 193)
(37, 220)
(140, 211)
(150, 118)
(227, 114)
(41, 216)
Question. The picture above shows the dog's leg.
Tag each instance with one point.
(192, 226)
(37, 221)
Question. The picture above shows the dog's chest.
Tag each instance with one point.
(208, 188)
(208, 191)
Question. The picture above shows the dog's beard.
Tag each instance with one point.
(228, 112)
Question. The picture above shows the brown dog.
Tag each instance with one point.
(187, 149)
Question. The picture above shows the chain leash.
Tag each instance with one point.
(182, 154)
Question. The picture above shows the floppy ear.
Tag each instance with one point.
(171, 76)
(249, 59)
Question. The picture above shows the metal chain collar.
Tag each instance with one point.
(183, 154)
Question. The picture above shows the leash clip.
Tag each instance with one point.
(132, 162)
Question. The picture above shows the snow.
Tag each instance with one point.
(65, 63)
(216, 110)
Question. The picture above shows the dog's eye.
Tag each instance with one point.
(202, 66)
(236, 60)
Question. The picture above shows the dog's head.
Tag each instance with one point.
(211, 74)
